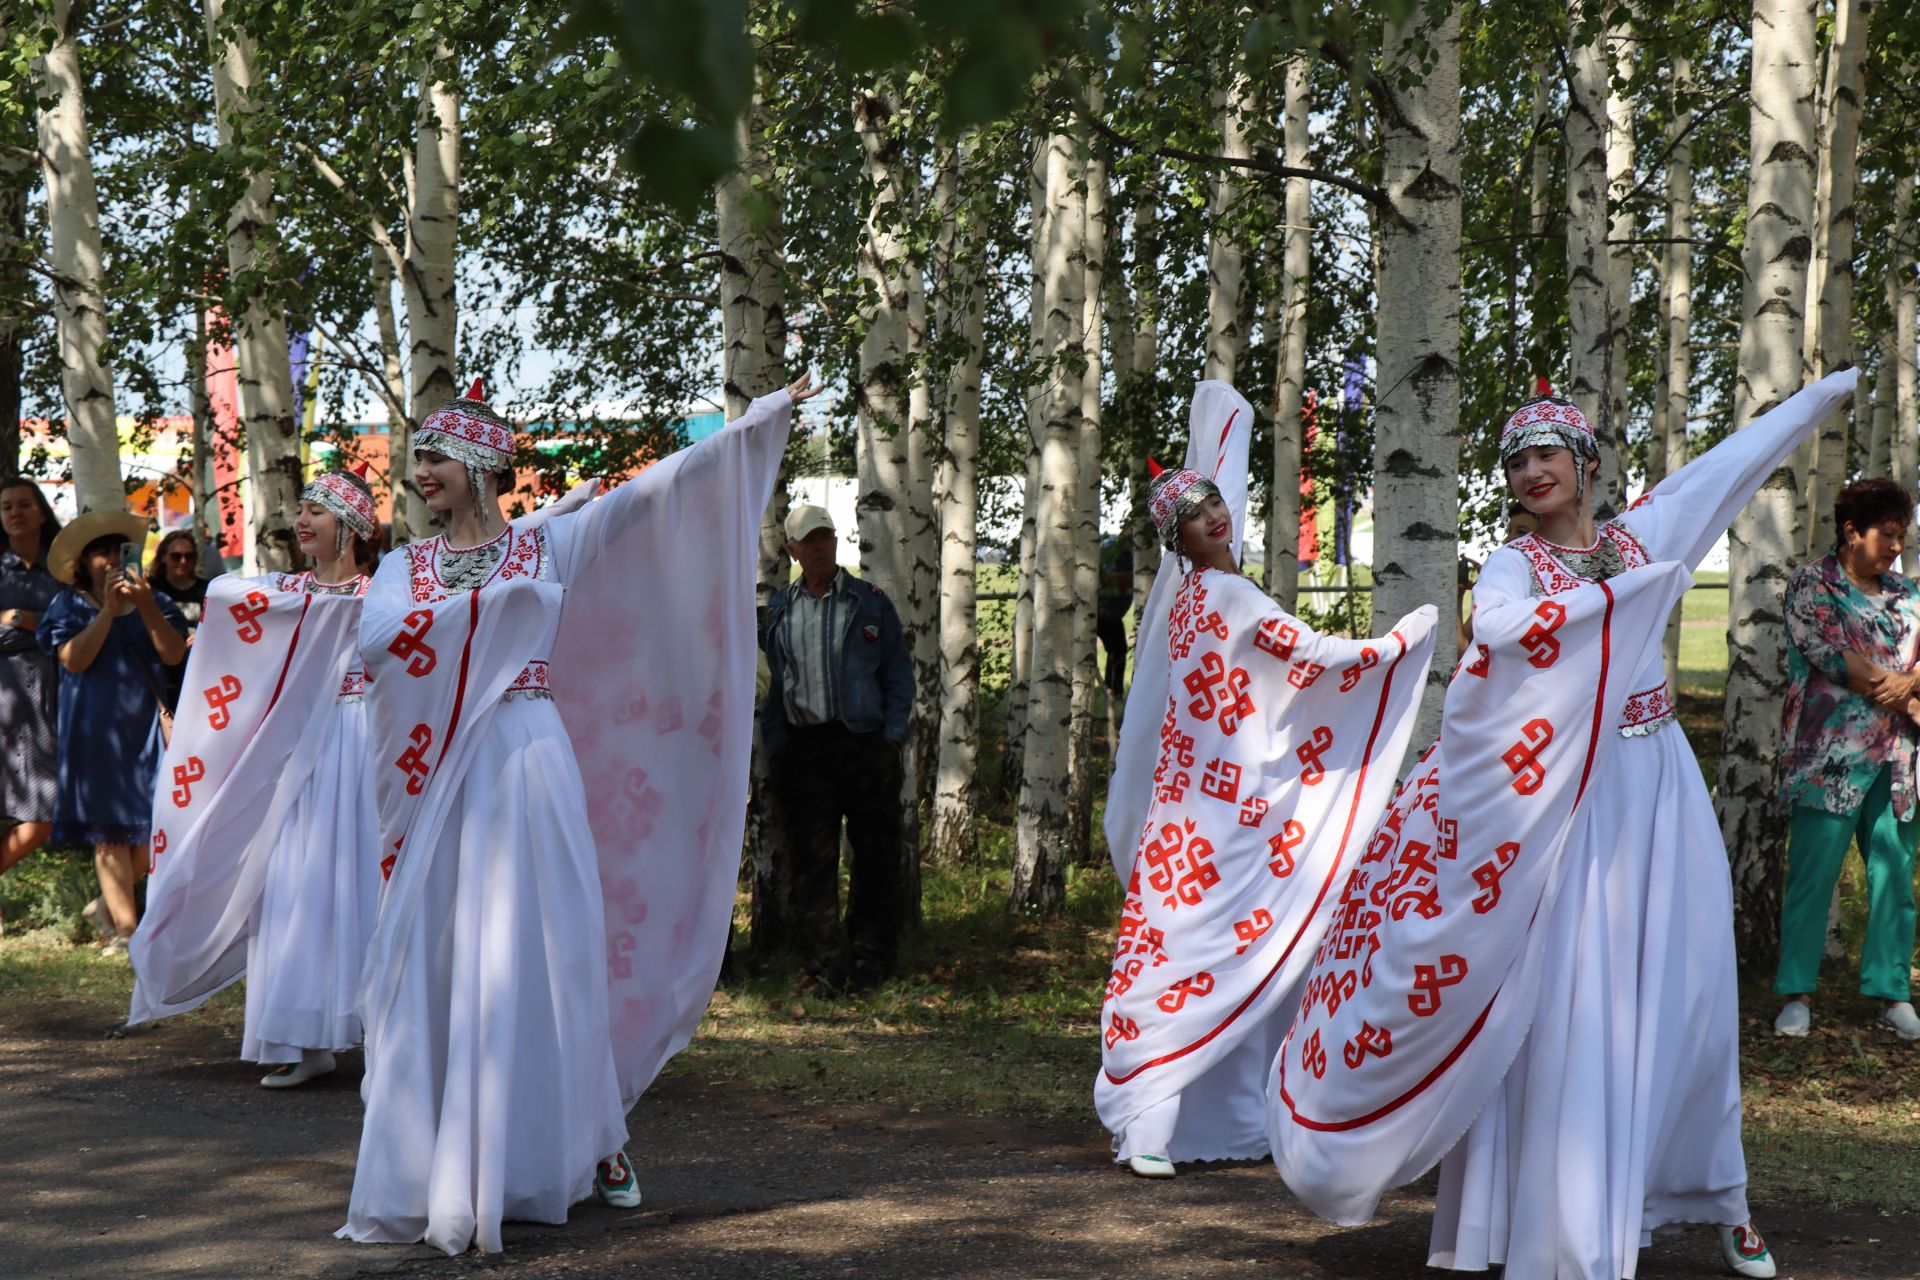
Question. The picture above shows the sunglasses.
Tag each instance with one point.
(185, 557)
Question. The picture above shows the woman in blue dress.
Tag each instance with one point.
(28, 677)
(112, 637)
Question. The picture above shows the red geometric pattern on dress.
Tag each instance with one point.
(1221, 780)
(1250, 930)
(1350, 677)
(1198, 987)
(184, 776)
(422, 577)
(1649, 706)
(1429, 980)
(352, 685)
(527, 558)
(532, 676)
(1369, 1040)
(219, 696)
(1179, 864)
(1523, 757)
(1218, 689)
(1554, 577)
(248, 614)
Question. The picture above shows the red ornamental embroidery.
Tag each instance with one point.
(1253, 811)
(159, 845)
(1221, 781)
(1277, 638)
(1304, 674)
(1199, 986)
(1523, 757)
(411, 646)
(1429, 980)
(1448, 843)
(1215, 688)
(1212, 625)
(184, 776)
(1312, 1057)
(386, 863)
(1413, 885)
(1483, 659)
(413, 761)
(218, 697)
(1543, 650)
(1175, 788)
(1282, 847)
(1119, 1028)
(1377, 1041)
(1318, 743)
(1120, 981)
(1250, 929)
(248, 614)
(1350, 678)
(1488, 874)
(1179, 866)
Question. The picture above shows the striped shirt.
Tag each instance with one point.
(815, 629)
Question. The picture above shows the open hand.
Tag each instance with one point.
(133, 589)
(803, 390)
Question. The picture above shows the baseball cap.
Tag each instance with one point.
(804, 519)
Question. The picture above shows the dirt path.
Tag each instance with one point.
(158, 1155)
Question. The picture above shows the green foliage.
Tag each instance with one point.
(48, 890)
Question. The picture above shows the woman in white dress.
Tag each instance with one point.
(1559, 1020)
(1278, 746)
(560, 719)
(271, 869)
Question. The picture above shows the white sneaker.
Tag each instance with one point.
(613, 1182)
(311, 1064)
(1151, 1166)
(1795, 1020)
(1900, 1018)
(1745, 1252)
(95, 914)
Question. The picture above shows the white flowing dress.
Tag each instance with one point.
(271, 869)
(560, 724)
(1559, 1021)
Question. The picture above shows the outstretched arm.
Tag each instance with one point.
(582, 535)
(1687, 512)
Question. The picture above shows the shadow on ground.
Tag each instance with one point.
(157, 1154)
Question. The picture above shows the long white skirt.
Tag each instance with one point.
(490, 1088)
(318, 903)
(1621, 1113)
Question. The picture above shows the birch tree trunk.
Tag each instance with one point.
(1624, 50)
(954, 835)
(1290, 361)
(428, 283)
(753, 361)
(894, 502)
(1669, 448)
(16, 184)
(79, 302)
(1042, 840)
(1589, 301)
(1144, 358)
(1881, 459)
(1021, 661)
(1765, 540)
(1829, 343)
(1416, 451)
(1226, 259)
(265, 373)
(1903, 295)
(1086, 568)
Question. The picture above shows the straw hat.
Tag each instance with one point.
(73, 538)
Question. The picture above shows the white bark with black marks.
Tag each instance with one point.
(1290, 362)
(1042, 843)
(1667, 451)
(1416, 452)
(1766, 541)
(1589, 305)
(79, 300)
(433, 223)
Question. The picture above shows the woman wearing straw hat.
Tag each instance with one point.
(112, 636)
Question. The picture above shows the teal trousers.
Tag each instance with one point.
(1816, 850)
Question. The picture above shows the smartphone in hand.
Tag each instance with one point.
(130, 560)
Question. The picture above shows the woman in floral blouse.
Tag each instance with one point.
(1847, 747)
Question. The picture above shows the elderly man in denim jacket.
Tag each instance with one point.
(833, 722)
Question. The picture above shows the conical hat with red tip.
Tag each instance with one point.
(1547, 419)
(469, 430)
(350, 503)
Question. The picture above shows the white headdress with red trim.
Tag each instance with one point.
(1547, 419)
(1172, 496)
(350, 504)
(470, 432)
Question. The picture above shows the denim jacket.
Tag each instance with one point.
(875, 686)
